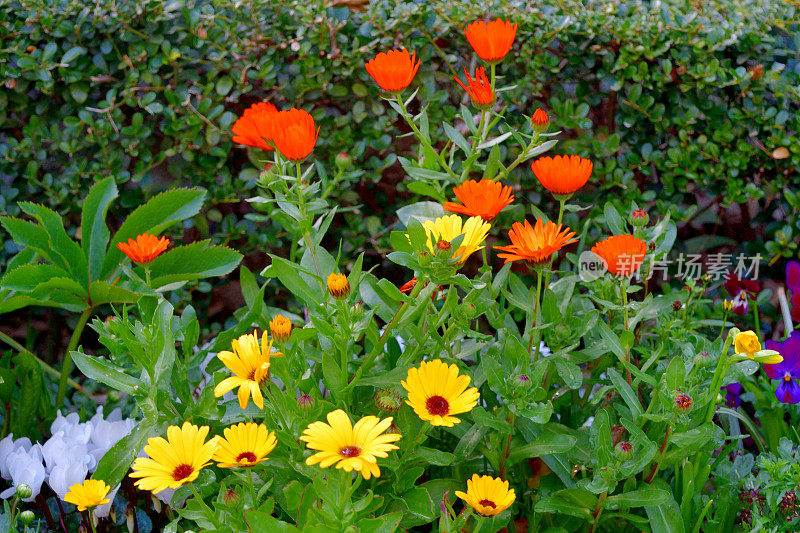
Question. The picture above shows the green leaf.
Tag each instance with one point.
(456, 137)
(32, 236)
(614, 221)
(72, 54)
(435, 457)
(102, 292)
(573, 502)
(383, 524)
(333, 376)
(106, 372)
(155, 216)
(259, 522)
(193, 261)
(94, 233)
(637, 498)
(27, 277)
(288, 274)
(676, 373)
(116, 462)
(61, 245)
(625, 390)
(665, 517)
(421, 211)
(545, 444)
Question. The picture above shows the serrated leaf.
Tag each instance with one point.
(102, 292)
(193, 261)
(61, 245)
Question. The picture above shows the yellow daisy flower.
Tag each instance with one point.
(347, 446)
(177, 460)
(488, 495)
(445, 229)
(436, 392)
(90, 493)
(244, 445)
(250, 364)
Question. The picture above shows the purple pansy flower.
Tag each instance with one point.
(732, 392)
(788, 370)
(793, 282)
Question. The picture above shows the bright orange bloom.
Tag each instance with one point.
(485, 199)
(491, 40)
(294, 134)
(540, 118)
(408, 286)
(253, 127)
(621, 254)
(144, 248)
(479, 89)
(562, 175)
(536, 244)
(394, 70)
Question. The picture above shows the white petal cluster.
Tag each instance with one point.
(66, 458)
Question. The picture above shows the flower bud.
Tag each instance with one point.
(746, 342)
(338, 286)
(280, 328)
(305, 402)
(424, 258)
(523, 381)
(23, 491)
(231, 497)
(624, 451)
(540, 120)
(444, 249)
(467, 311)
(388, 400)
(343, 160)
(639, 218)
(703, 359)
(27, 517)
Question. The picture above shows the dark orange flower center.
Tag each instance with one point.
(684, 401)
(250, 457)
(436, 405)
(350, 451)
(488, 503)
(182, 472)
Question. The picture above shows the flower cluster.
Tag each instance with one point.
(66, 458)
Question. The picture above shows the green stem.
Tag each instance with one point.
(252, 487)
(624, 290)
(535, 334)
(147, 274)
(501, 470)
(370, 359)
(755, 318)
(423, 139)
(598, 510)
(719, 373)
(307, 222)
(724, 321)
(209, 513)
(66, 368)
(45, 367)
(91, 521)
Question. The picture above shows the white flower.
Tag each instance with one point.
(64, 475)
(64, 450)
(25, 467)
(8, 446)
(106, 434)
(101, 511)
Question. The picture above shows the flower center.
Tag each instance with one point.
(182, 472)
(787, 377)
(350, 451)
(488, 503)
(436, 405)
(250, 457)
(443, 245)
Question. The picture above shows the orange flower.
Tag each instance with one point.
(144, 248)
(540, 119)
(562, 175)
(408, 286)
(491, 40)
(621, 254)
(536, 244)
(479, 89)
(293, 133)
(393, 70)
(485, 199)
(252, 128)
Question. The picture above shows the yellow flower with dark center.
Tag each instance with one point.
(90, 493)
(175, 461)
(350, 447)
(281, 328)
(249, 363)
(449, 227)
(488, 495)
(436, 392)
(244, 445)
(746, 342)
(338, 285)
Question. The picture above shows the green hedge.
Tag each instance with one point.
(685, 100)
